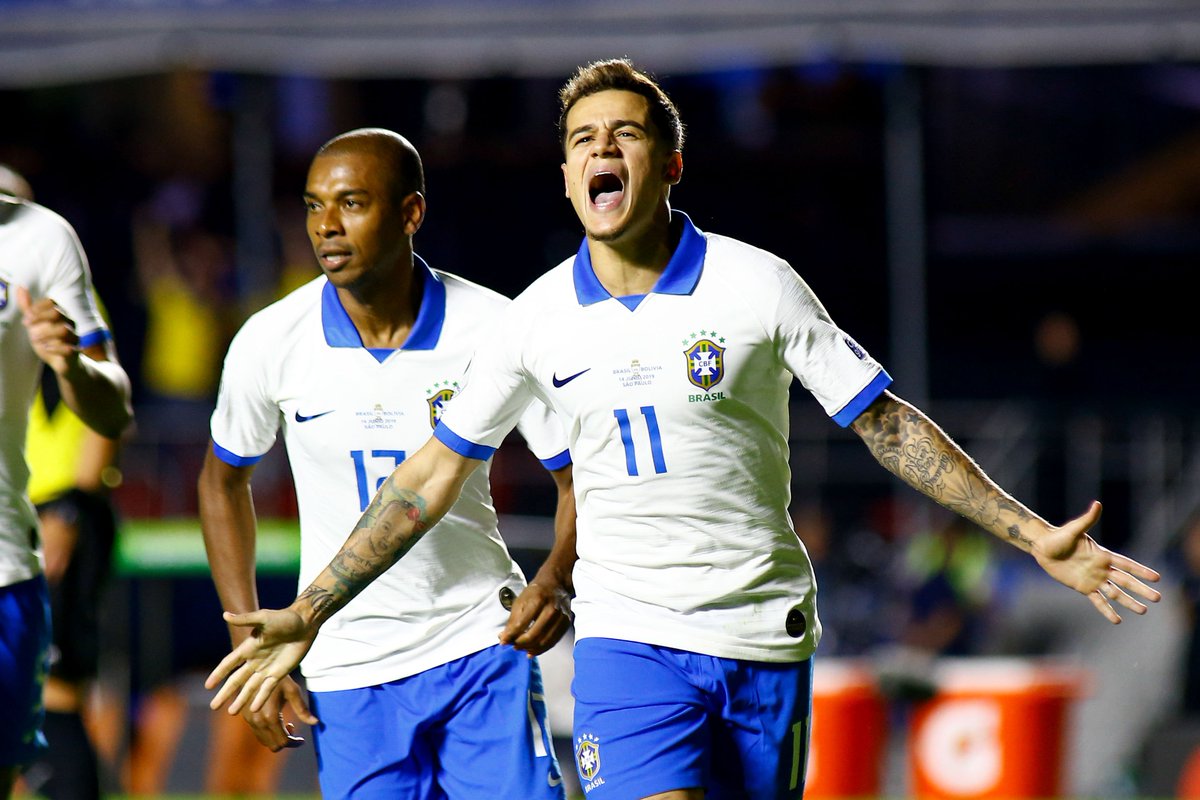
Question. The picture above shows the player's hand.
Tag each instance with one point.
(1073, 558)
(269, 723)
(539, 617)
(51, 332)
(275, 646)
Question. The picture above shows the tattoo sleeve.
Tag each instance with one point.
(393, 523)
(911, 446)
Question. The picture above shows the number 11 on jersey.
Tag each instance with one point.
(656, 449)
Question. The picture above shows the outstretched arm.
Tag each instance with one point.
(416, 495)
(910, 445)
(542, 613)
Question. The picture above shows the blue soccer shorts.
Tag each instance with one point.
(650, 719)
(472, 728)
(24, 664)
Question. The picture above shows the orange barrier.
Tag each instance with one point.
(994, 730)
(1189, 777)
(849, 729)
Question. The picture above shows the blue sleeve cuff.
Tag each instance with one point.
(458, 444)
(559, 461)
(233, 459)
(859, 404)
(95, 337)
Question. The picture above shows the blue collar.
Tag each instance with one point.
(680, 277)
(340, 331)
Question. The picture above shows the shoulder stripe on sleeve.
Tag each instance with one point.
(859, 403)
(95, 337)
(464, 447)
(557, 462)
(233, 459)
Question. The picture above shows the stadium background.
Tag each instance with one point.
(998, 199)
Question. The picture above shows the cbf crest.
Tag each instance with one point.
(3, 293)
(705, 359)
(587, 755)
(438, 397)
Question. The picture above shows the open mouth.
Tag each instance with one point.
(334, 258)
(605, 190)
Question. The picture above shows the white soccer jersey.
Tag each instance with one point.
(675, 405)
(349, 416)
(40, 252)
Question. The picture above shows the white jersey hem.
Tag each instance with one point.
(627, 631)
(393, 668)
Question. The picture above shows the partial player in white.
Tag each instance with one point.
(48, 318)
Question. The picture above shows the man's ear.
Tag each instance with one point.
(412, 210)
(674, 169)
(566, 185)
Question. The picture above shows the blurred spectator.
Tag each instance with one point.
(185, 269)
(942, 580)
(948, 572)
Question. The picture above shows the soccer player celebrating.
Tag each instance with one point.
(47, 316)
(668, 353)
(357, 366)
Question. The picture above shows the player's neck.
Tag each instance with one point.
(633, 264)
(385, 313)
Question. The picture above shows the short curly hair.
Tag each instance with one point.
(620, 73)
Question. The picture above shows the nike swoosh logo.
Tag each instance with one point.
(301, 418)
(553, 781)
(561, 382)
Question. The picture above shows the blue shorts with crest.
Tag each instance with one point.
(472, 728)
(651, 719)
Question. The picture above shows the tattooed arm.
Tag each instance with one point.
(911, 446)
(408, 503)
(416, 495)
